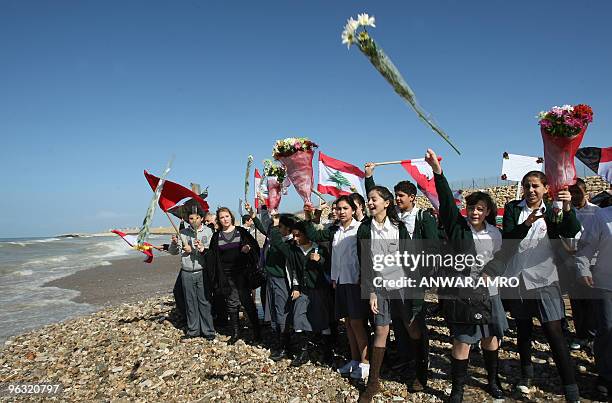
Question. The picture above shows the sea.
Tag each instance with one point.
(28, 263)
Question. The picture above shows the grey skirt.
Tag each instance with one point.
(278, 303)
(471, 334)
(393, 304)
(544, 303)
(311, 310)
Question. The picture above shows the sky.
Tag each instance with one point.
(92, 93)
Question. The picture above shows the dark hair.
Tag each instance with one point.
(581, 184)
(541, 176)
(245, 218)
(388, 196)
(406, 187)
(287, 220)
(347, 200)
(358, 199)
(475, 197)
(227, 210)
(535, 174)
(301, 226)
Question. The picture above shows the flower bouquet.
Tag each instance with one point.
(385, 66)
(562, 131)
(296, 156)
(275, 177)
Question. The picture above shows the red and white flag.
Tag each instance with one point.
(339, 178)
(173, 193)
(422, 173)
(131, 240)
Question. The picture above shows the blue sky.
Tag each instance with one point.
(92, 93)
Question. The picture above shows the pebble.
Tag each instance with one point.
(132, 353)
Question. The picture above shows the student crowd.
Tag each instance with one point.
(317, 272)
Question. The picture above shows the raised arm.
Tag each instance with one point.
(449, 214)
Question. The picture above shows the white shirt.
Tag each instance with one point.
(409, 219)
(345, 264)
(586, 216)
(597, 238)
(487, 242)
(534, 260)
(385, 241)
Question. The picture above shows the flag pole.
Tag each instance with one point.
(387, 163)
(319, 194)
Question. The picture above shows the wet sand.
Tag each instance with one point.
(124, 280)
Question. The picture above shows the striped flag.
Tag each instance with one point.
(339, 178)
(598, 159)
(422, 173)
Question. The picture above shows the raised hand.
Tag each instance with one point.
(369, 169)
(432, 159)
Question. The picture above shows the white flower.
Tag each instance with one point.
(568, 108)
(351, 25)
(541, 115)
(348, 38)
(365, 20)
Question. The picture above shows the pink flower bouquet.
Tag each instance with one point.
(562, 131)
(296, 155)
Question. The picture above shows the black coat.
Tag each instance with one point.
(247, 263)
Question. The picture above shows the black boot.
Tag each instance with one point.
(281, 352)
(459, 370)
(328, 349)
(420, 349)
(254, 319)
(234, 327)
(491, 361)
(301, 357)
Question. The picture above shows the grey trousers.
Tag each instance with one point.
(603, 337)
(199, 317)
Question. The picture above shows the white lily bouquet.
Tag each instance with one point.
(385, 66)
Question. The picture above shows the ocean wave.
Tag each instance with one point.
(25, 272)
(44, 240)
(22, 244)
(45, 261)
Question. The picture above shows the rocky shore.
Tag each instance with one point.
(132, 352)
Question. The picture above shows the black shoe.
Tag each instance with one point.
(279, 355)
(301, 359)
(210, 337)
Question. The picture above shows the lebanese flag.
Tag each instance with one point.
(339, 178)
(173, 193)
(422, 173)
(598, 159)
(131, 240)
